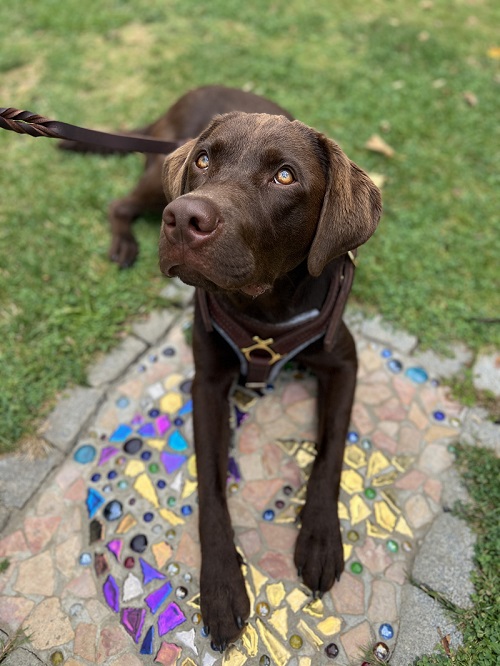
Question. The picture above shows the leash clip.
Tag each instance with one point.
(262, 345)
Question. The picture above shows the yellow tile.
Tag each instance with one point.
(343, 512)
(384, 516)
(277, 651)
(309, 634)
(375, 531)
(403, 528)
(171, 517)
(304, 458)
(289, 446)
(191, 466)
(359, 509)
(158, 444)
(189, 488)
(330, 626)
(377, 463)
(173, 380)
(134, 467)
(386, 479)
(279, 620)
(296, 599)
(355, 457)
(233, 657)
(188, 662)
(316, 608)
(126, 523)
(347, 547)
(402, 463)
(258, 579)
(305, 661)
(251, 596)
(162, 553)
(275, 593)
(390, 497)
(145, 487)
(351, 481)
(171, 402)
(310, 446)
(439, 432)
(250, 640)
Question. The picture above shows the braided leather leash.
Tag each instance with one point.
(26, 122)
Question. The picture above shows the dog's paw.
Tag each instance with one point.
(224, 600)
(319, 555)
(124, 250)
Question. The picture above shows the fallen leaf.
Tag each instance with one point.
(376, 144)
(470, 98)
(379, 179)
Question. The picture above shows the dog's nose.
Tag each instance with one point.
(188, 219)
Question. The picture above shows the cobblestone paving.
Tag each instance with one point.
(104, 568)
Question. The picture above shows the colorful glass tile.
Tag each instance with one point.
(149, 573)
(171, 402)
(403, 528)
(329, 626)
(377, 463)
(171, 617)
(121, 433)
(126, 523)
(101, 565)
(148, 642)
(134, 468)
(147, 430)
(384, 516)
(355, 457)
(168, 654)
(277, 650)
(162, 424)
(111, 593)
(275, 593)
(171, 517)
(94, 501)
(132, 588)
(156, 599)
(189, 488)
(133, 621)
(177, 442)
(306, 630)
(85, 454)
(186, 409)
(145, 487)
(115, 547)
(315, 608)
(359, 509)
(250, 640)
(351, 481)
(171, 461)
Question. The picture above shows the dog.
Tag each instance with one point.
(262, 215)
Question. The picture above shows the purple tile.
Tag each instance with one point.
(171, 617)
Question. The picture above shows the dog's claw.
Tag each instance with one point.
(240, 559)
(239, 622)
(216, 647)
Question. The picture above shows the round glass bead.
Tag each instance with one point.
(187, 510)
(233, 488)
(113, 510)
(171, 501)
(366, 444)
(188, 578)
(452, 448)
(392, 546)
(56, 658)
(152, 358)
(121, 460)
(439, 415)
(381, 651)
(395, 366)
(148, 516)
(268, 515)
(455, 422)
(264, 660)
(132, 501)
(168, 351)
(279, 504)
(157, 529)
(139, 543)
(153, 413)
(352, 535)
(153, 468)
(85, 454)
(196, 618)
(173, 569)
(107, 488)
(132, 445)
(417, 375)
(370, 493)
(296, 642)
(161, 484)
(186, 386)
(356, 567)
(129, 563)
(179, 422)
(435, 382)
(386, 353)
(85, 559)
(95, 477)
(146, 455)
(288, 490)
(386, 631)
(122, 484)
(113, 474)
(141, 368)
(352, 437)
(204, 632)
(181, 593)
(407, 546)
(331, 651)
(262, 609)
(170, 535)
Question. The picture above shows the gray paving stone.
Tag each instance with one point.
(69, 417)
(379, 330)
(177, 293)
(20, 478)
(478, 430)
(20, 657)
(421, 620)
(155, 326)
(444, 366)
(453, 488)
(111, 366)
(486, 373)
(4, 517)
(444, 561)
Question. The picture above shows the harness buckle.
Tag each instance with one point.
(262, 345)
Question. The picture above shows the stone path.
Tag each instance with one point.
(104, 557)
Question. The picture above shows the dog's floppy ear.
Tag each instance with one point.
(174, 171)
(351, 209)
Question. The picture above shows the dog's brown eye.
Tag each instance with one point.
(284, 177)
(202, 161)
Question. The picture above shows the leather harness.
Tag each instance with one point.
(263, 348)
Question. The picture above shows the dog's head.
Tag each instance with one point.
(255, 195)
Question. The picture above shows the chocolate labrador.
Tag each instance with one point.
(263, 215)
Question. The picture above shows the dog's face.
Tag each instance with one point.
(254, 196)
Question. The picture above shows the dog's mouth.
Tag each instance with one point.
(198, 279)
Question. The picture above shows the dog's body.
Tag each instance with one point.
(260, 208)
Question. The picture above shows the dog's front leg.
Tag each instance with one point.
(224, 601)
(318, 552)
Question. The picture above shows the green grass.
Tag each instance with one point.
(348, 69)
(479, 624)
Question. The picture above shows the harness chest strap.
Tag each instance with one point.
(264, 348)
